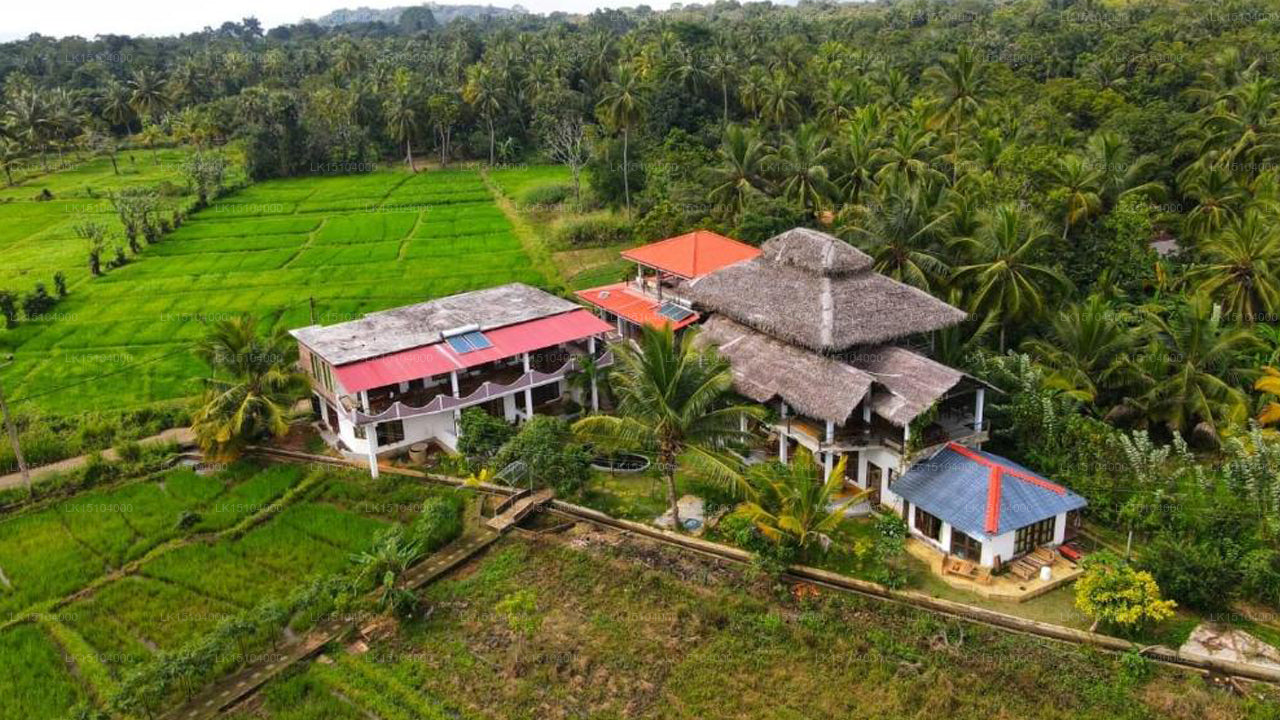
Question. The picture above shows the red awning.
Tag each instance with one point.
(439, 358)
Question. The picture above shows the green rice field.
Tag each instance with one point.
(97, 585)
(353, 243)
(36, 236)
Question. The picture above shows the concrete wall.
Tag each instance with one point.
(416, 429)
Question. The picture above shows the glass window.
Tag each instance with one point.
(1032, 536)
(963, 546)
(928, 525)
(390, 433)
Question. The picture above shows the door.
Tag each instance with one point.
(333, 417)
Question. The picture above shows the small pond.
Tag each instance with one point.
(621, 462)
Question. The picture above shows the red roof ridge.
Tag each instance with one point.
(998, 471)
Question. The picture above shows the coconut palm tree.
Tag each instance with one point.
(483, 93)
(147, 94)
(907, 155)
(901, 231)
(1119, 172)
(1006, 276)
(401, 112)
(623, 104)
(114, 105)
(673, 401)
(740, 172)
(1242, 268)
(251, 387)
(1082, 347)
(793, 504)
(1189, 374)
(1082, 186)
(959, 82)
(800, 166)
(1218, 198)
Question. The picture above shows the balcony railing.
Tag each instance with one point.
(482, 389)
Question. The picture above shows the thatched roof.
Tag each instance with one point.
(898, 384)
(764, 369)
(811, 289)
(411, 326)
(910, 383)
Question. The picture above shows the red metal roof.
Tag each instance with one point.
(620, 299)
(439, 358)
(996, 477)
(693, 254)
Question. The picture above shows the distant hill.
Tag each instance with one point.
(443, 14)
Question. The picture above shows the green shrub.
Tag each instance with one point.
(546, 196)
(439, 522)
(591, 231)
(129, 451)
(480, 434)
(545, 446)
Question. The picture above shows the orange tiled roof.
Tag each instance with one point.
(693, 254)
(620, 299)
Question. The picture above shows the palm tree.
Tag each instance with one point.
(739, 173)
(777, 100)
(1242, 268)
(147, 95)
(675, 402)
(1082, 347)
(251, 388)
(1118, 171)
(1082, 187)
(901, 231)
(722, 68)
(1005, 276)
(1189, 375)
(622, 104)
(1217, 197)
(958, 82)
(483, 94)
(793, 504)
(115, 106)
(908, 155)
(401, 112)
(802, 162)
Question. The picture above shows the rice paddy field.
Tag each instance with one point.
(353, 243)
(36, 236)
(98, 584)
(590, 627)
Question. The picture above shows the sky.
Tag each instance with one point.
(170, 17)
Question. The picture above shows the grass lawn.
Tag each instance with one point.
(354, 243)
(592, 629)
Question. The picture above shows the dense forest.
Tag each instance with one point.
(1095, 182)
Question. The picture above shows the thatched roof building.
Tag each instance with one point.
(817, 291)
(900, 384)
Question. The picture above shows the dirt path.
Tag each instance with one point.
(182, 436)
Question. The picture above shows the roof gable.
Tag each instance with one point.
(693, 254)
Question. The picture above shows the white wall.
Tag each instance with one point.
(416, 429)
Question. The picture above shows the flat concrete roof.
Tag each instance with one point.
(403, 328)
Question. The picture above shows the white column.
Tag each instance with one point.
(829, 461)
(866, 412)
(528, 392)
(979, 406)
(453, 385)
(364, 400)
(595, 393)
(371, 434)
(782, 436)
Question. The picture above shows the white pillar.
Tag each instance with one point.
(453, 385)
(595, 393)
(979, 406)
(829, 460)
(866, 412)
(364, 401)
(528, 392)
(371, 434)
(782, 436)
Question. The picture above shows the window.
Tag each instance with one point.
(963, 546)
(928, 525)
(390, 433)
(321, 372)
(1032, 536)
(546, 393)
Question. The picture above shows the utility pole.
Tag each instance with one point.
(13, 439)
(312, 300)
